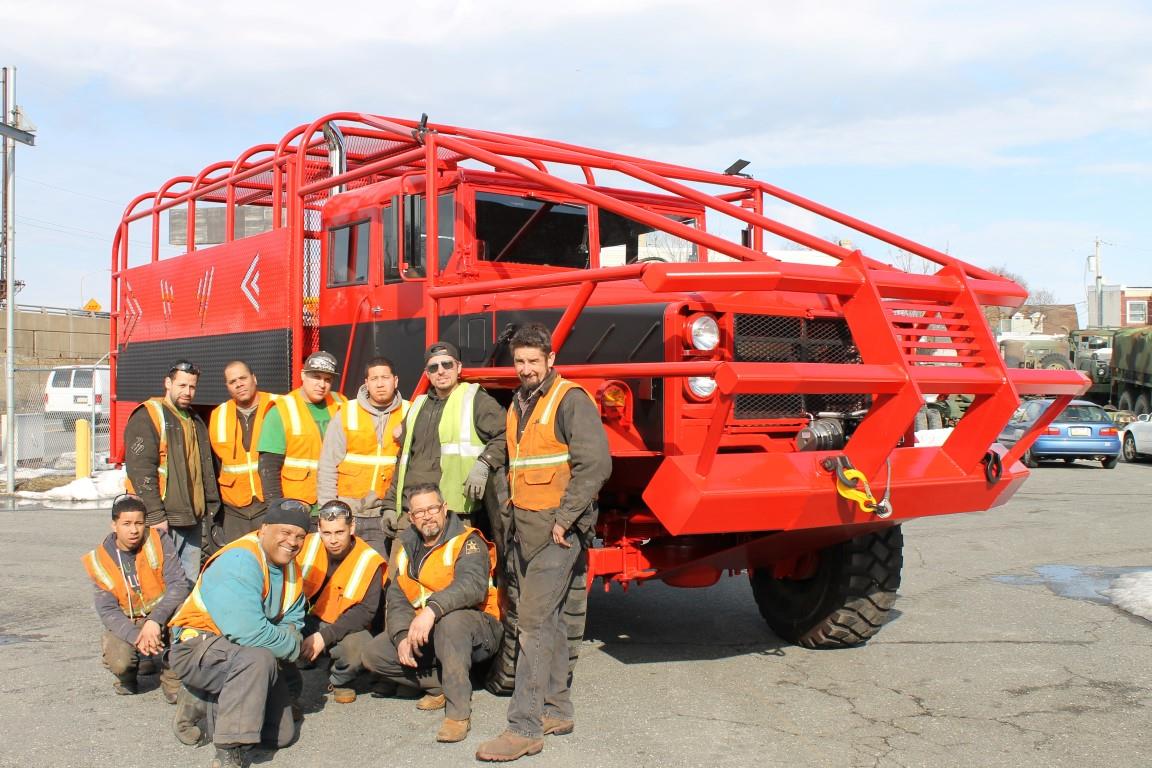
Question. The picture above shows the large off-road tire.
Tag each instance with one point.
(1055, 362)
(1125, 401)
(1141, 406)
(935, 419)
(501, 677)
(845, 602)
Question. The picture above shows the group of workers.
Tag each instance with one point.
(350, 532)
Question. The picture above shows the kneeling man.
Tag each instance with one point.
(343, 578)
(243, 616)
(443, 613)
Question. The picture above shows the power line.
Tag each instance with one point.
(70, 191)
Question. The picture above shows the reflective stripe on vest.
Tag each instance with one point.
(366, 448)
(460, 446)
(193, 614)
(438, 570)
(538, 462)
(149, 561)
(348, 584)
(239, 469)
(302, 444)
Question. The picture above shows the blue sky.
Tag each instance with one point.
(1008, 134)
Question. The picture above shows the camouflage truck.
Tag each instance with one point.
(1131, 388)
(1092, 354)
(1037, 351)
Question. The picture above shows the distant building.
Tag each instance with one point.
(1124, 305)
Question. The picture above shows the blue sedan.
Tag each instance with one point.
(1082, 431)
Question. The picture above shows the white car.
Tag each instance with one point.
(1136, 438)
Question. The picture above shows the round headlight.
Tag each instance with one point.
(705, 333)
(702, 386)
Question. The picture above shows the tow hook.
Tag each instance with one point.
(993, 467)
(853, 485)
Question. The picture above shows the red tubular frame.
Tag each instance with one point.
(888, 311)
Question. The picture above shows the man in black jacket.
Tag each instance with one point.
(168, 459)
(443, 614)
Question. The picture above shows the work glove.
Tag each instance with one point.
(476, 480)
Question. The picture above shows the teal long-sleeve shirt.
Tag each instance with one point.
(232, 589)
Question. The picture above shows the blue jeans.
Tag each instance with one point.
(187, 540)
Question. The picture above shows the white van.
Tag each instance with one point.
(76, 391)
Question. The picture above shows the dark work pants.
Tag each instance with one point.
(371, 530)
(246, 699)
(241, 520)
(543, 686)
(123, 660)
(459, 640)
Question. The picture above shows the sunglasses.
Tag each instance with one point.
(293, 505)
(335, 510)
(443, 365)
(183, 367)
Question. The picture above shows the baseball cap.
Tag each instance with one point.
(320, 362)
(442, 348)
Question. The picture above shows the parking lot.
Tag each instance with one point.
(1002, 653)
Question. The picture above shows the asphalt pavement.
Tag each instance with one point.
(1002, 653)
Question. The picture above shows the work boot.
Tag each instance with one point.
(342, 695)
(147, 667)
(555, 726)
(231, 757)
(190, 712)
(125, 686)
(508, 746)
(452, 731)
(430, 703)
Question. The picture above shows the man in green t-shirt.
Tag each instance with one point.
(293, 432)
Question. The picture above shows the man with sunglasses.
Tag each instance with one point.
(243, 618)
(168, 460)
(360, 447)
(443, 612)
(452, 437)
(139, 583)
(293, 433)
(234, 428)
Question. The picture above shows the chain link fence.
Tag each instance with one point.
(50, 403)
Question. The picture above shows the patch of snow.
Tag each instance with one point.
(1132, 592)
(103, 485)
(932, 436)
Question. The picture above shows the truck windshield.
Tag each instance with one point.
(531, 231)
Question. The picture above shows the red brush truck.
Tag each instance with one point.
(760, 412)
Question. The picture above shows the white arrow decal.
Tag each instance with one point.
(250, 285)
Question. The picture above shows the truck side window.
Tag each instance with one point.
(624, 241)
(530, 231)
(415, 250)
(391, 244)
(348, 254)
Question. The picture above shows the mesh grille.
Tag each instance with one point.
(776, 339)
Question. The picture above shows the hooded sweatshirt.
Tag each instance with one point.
(336, 447)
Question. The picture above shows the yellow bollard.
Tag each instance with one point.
(83, 449)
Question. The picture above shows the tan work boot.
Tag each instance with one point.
(508, 746)
(452, 731)
(430, 703)
(555, 726)
(190, 712)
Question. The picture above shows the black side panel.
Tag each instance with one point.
(401, 341)
(142, 365)
(624, 334)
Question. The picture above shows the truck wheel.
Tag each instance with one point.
(501, 677)
(1110, 463)
(935, 420)
(1140, 407)
(1055, 362)
(1124, 402)
(845, 602)
(921, 422)
(1029, 459)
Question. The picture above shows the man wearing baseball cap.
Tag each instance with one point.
(452, 438)
(293, 432)
(227, 652)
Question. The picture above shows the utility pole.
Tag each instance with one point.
(12, 131)
(1099, 288)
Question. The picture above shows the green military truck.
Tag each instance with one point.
(1037, 351)
(1092, 354)
(1131, 386)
